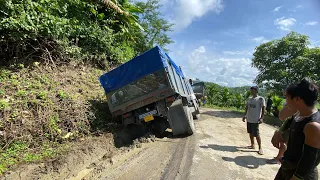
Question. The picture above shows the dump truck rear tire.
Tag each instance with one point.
(190, 125)
(180, 118)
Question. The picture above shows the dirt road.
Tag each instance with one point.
(213, 152)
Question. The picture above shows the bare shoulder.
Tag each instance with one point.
(312, 127)
(312, 134)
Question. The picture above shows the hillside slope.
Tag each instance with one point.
(42, 108)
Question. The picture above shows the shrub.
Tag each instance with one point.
(55, 30)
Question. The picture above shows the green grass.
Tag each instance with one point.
(4, 74)
(42, 95)
(2, 92)
(3, 104)
(21, 93)
(62, 95)
(9, 156)
(19, 152)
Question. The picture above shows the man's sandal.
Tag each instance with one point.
(250, 147)
(273, 161)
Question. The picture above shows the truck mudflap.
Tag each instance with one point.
(180, 118)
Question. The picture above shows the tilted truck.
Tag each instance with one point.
(152, 90)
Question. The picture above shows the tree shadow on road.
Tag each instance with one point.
(223, 114)
(227, 148)
(249, 162)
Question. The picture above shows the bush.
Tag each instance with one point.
(53, 30)
(277, 105)
(224, 97)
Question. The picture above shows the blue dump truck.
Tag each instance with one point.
(151, 90)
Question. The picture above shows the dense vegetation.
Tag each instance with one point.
(229, 96)
(51, 55)
(226, 97)
(95, 31)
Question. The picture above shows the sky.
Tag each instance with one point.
(215, 39)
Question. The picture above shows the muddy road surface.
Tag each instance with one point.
(215, 151)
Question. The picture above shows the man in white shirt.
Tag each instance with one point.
(254, 114)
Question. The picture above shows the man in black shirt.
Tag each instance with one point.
(303, 149)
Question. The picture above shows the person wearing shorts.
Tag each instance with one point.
(254, 114)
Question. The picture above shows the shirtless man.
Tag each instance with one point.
(302, 156)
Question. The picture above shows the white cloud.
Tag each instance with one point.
(260, 39)
(296, 8)
(201, 49)
(311, 23)
(233, 53)
(284, 24)
(196, 58)
(226, 70)
(277, 9)
(183, 12)
(208, 69)
(186, 11)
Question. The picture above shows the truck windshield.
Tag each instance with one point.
(139, 88)
(197, 88)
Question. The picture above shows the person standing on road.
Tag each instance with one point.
(269, 104)
(254, 113)
(302, 156)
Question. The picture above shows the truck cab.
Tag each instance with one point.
(198, 89)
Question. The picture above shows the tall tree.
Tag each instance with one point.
(284, 61)
(154, 25)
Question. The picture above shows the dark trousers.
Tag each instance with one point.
(287, 170)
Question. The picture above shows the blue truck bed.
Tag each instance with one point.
(135, 69)
(141, 81)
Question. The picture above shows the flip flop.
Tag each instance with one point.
(249, 147)
(260, 152)
(273, 161)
